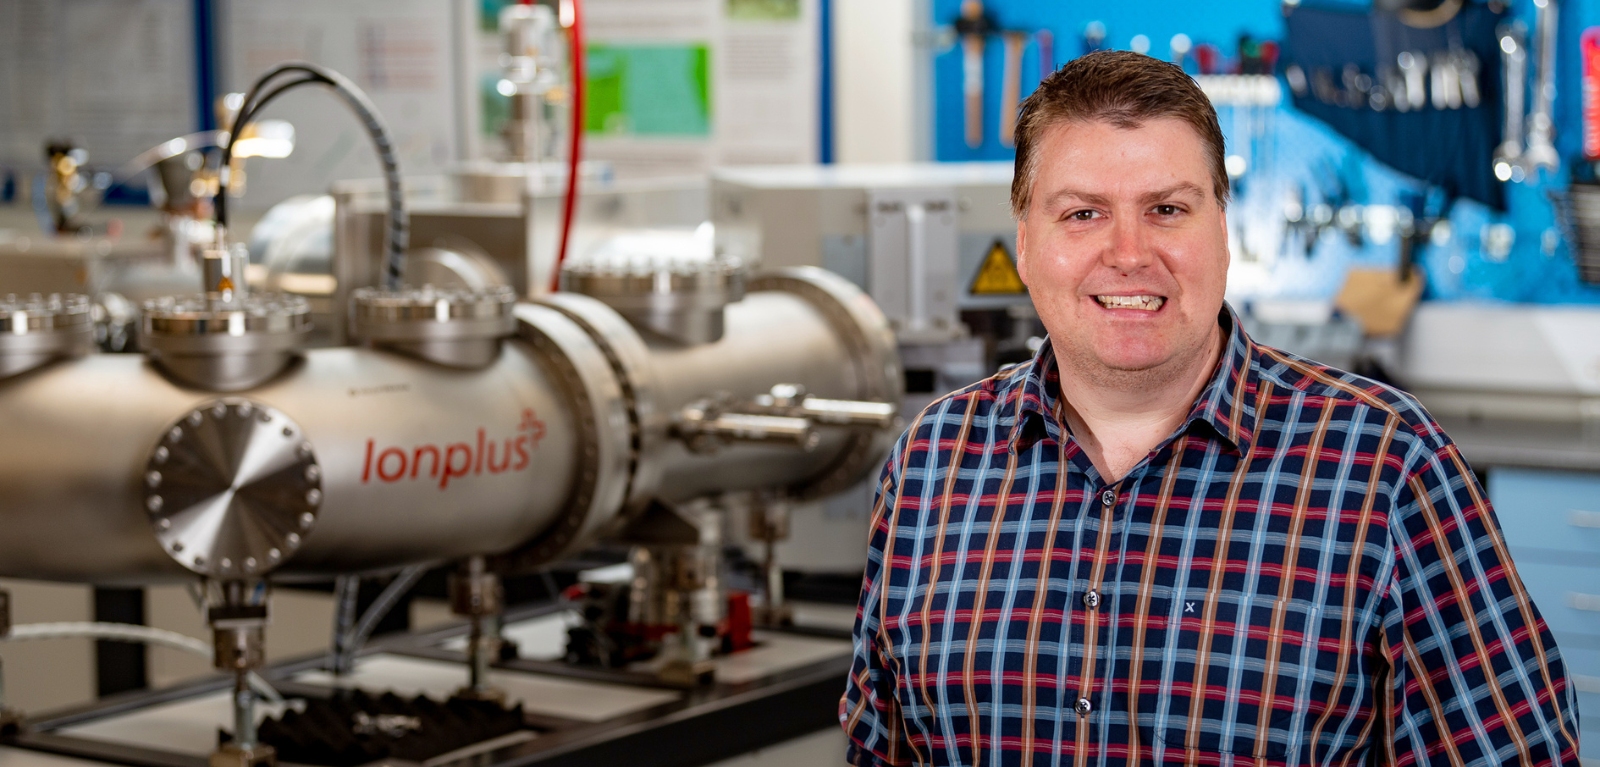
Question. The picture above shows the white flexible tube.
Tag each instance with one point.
(128, 632)
(123, 632)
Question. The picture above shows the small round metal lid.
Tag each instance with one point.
(41, 314)
(412, 314)
(231, 488)
(37, 329)
(721, 278)
(225, 345)
(677, 297)
(199, 315)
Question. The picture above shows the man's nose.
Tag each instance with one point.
(1129, 249)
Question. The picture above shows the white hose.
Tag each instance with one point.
(128, 632)
(122, 632)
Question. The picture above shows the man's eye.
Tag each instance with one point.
(1081, 215)
(1167, 210)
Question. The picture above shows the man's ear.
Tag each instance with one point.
(1227, 251)
(1022, 248)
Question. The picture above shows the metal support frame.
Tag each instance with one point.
(705, 725)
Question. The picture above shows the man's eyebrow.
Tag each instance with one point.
(1063, 195)
(1185, 188)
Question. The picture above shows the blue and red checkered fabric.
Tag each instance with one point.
(1305, 572)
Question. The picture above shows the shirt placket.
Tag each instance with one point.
(1094, 628)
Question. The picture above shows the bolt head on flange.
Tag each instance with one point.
(232, 488)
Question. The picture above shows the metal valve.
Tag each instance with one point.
(707, 428)
(786, 415)
(791, 400)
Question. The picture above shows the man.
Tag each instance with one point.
(1162, 543)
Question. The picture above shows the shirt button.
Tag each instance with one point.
(1091, 600)
(1083, 706)
(1109, 497)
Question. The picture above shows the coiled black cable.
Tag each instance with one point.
(260, 95)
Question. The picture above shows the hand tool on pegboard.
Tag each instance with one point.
(1011, 84)
(974, 26)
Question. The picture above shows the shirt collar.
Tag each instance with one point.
(1227, 404)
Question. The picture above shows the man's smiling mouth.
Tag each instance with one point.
(1144, 303)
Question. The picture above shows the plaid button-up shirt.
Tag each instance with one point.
(1305, 572)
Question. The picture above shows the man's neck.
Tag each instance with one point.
(1119, 418)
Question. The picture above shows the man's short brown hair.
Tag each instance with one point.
(1124, 89)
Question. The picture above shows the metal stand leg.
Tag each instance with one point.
(11, 720)
(769, 523)
(238, 626)
(478, 595)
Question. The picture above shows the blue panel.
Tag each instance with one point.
(1550, 510)
(1288, 150)
(825, 83)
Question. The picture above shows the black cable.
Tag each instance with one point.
(398, 225)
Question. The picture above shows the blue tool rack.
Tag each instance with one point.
(1301, 150)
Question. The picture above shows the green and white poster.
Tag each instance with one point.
(661, 89)
(677, 87)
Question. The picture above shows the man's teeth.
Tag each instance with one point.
(1147, 303)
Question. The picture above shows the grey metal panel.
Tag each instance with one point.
(911, 244)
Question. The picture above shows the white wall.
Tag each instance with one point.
(873, 81)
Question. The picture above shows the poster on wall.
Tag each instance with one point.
(114, 77)
(676, 87)
(401, 52)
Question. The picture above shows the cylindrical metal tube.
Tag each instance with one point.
(806, 327)
(419, 462)
(532, 455)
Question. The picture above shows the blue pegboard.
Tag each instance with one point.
(1291, 149)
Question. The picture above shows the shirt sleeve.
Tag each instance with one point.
(870, 711)
(1475, 677)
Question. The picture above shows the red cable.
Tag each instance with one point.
(576, 147)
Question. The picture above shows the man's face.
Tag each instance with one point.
(1125, 247)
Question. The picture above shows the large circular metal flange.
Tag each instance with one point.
(232, 488)
(636, 374)
(871, 341)
(36, 329)
(604, 438)
(225, 345)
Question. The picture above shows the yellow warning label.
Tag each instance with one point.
(998, 274)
